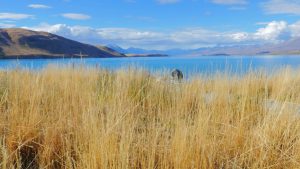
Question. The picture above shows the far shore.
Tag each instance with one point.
(77, 56)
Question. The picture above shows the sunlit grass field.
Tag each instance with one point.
(85, 118)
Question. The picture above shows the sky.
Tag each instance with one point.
(158, 24)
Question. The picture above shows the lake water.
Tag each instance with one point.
(189, 65)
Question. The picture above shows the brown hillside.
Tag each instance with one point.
(24, 43)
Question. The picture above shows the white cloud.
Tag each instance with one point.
(282, 7)
(76, 16)
(276, 30)
(126, 37)
(295, 29)
(271, 32)
(15, 16)
(240, 36)
(38, 6)
(167, 1)
(7, 25)
(230, 2)
(101, 35)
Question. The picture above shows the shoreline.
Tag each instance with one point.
(71, 57)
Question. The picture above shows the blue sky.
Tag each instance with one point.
(158, 24)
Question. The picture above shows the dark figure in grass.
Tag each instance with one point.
(177, 75)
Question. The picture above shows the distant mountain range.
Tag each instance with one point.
(291, 47)
(145, 51)
(137, 51)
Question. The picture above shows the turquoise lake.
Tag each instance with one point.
(189, 65)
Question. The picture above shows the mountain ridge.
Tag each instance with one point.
(23, 43)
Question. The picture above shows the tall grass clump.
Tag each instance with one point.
(84, 118)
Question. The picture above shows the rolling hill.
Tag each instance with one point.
(22, 43)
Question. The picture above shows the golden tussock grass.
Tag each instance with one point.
(88, 119)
